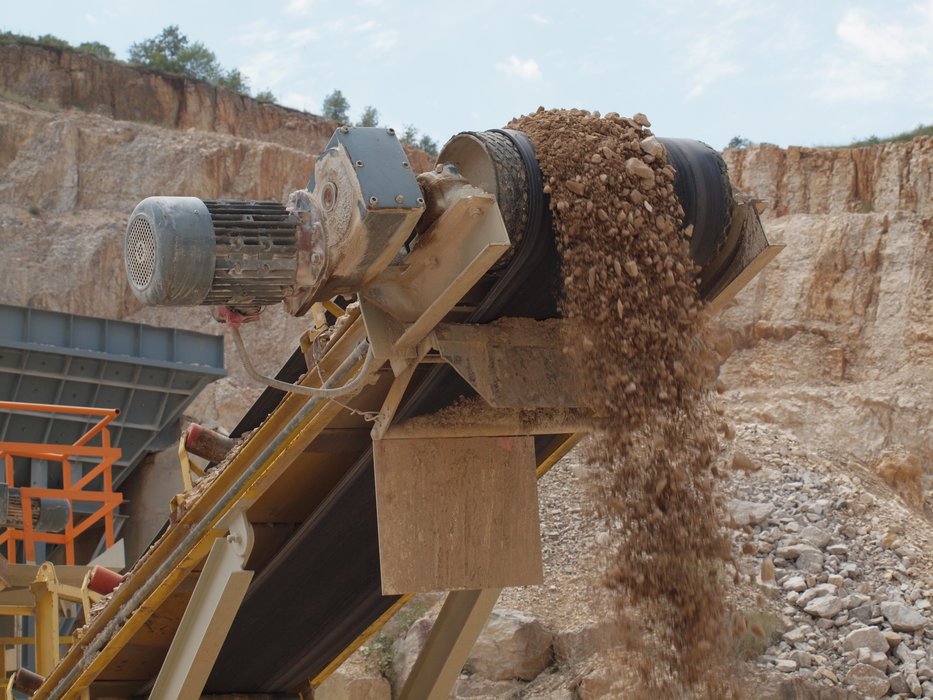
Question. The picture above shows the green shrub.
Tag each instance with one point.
(759, 630)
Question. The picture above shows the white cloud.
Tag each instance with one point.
(710, 57)
(887, 44)
(718, 50)
(540, 19)
(365, 26)
(384, 40)
(263, 69)
(842, 81)
(90, 19)
(517, 68)
(298, 8)
(301, 37)
(879, 58)
(298, 100)
(257, 33)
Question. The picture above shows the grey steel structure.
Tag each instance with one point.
(151, 374)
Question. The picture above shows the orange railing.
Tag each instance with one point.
(72, 491)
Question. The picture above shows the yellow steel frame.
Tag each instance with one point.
(288, 450)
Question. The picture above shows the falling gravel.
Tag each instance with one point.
(640, 343)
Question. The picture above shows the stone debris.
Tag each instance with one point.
(742, 462)
(855, 603)
(866, 638)
(653, 147)
(512, 645)
(649, 372)
(824, 606)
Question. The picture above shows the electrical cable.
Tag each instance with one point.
(323, 393)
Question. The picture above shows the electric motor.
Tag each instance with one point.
(185, 251)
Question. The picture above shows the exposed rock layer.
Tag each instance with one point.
(68, 79)
(886, 177)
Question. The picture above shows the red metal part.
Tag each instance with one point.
(103, 581)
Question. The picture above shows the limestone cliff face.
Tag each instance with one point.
(67, 79)
(834, 340)
(886, 177)
(68, 161)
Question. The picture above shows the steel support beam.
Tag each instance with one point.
(217, 596)
(45, 590)
(453, 635)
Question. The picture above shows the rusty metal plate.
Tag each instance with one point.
(457, 513)
(514, 362)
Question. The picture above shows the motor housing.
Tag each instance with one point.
(183, 251)
(333, 237)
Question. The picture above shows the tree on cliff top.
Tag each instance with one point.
(95, 48)
(171, 52)
(370, 117)
(336, 107)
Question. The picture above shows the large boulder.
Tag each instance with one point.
(870, 638)
(579, 642)
(341, 685)
(748, 513)
(513, 645)
(406, 648)
(868, 680)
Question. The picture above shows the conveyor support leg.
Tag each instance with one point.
(448, 647)
(217, 597)
(45, 590)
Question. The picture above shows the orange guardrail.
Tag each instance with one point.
(72, 490)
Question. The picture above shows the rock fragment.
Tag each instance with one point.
(815, 536)
(868, 680)
(511, 645)
(742, 462)
(748, 513)
(639, 168)
(866, 638)
(902, 617)
(795, 583)
(826, 606)
(577, 188)
(653, 147)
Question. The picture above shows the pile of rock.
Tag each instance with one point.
(841, 567)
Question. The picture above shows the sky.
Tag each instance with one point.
(789, 72)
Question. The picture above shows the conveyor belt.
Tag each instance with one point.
(328, 574)
(333, 558)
